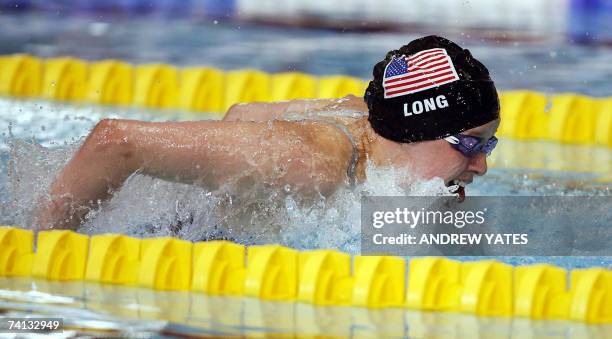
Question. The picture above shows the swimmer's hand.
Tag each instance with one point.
(56, 212)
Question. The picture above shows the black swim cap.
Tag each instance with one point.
(428, 90)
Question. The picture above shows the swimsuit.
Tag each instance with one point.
(328, 117)
(351, 171)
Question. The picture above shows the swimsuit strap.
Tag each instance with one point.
(351, 171)
(352, 167)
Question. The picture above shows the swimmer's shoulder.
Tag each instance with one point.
(330, 138)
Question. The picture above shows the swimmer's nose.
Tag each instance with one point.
(478, 164)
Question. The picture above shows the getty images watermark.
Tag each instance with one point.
(529, 226)
(459, 219)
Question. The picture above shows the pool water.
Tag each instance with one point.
(38, 138)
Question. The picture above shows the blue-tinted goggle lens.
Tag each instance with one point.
(470, 146)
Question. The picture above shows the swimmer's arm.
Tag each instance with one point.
(306, 156)
(213, 153)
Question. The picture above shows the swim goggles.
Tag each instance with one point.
(470, 146)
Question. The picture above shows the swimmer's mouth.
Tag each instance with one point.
(460, 190)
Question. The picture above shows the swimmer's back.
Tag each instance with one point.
(338, 125)
(295, 109)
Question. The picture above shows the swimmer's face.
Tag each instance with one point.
(438, 158)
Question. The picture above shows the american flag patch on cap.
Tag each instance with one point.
(418, 72)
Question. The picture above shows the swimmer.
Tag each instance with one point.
(431, 108)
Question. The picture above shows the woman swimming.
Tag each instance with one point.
(432, 109)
